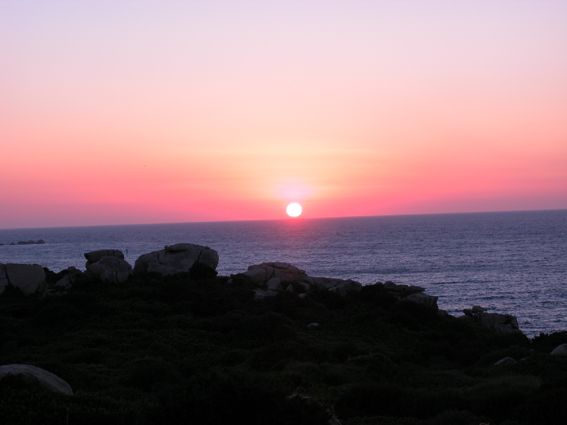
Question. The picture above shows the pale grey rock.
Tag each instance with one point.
(260, 294)
(423, 299)
(402, 291)
(274, 284)
(110, 269)
(94, 256)
(257, 275)
(36, 374)
(333, 420)
(560, 350)
(278, 277)
(506, 361)
(500, 323)
(340, 286)
(260, 274)
(313, 325)
(28, 278)
(179, 258)
(70, 277)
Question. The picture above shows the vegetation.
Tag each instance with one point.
(179, 351)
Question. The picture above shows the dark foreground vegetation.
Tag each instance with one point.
(159, 350)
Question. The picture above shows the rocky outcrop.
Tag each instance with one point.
(423, 299)
(412, 294)
(200, 261)
(500, 323)
(560, 350)
(28, 278)
(400, 291)
(94, 256)
(69, 277)
(274, 277)
(37, 375)
(339, 286)
(506, 361)
(108, 266)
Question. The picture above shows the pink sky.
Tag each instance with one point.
(136, 112)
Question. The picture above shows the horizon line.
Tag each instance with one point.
(287, 219)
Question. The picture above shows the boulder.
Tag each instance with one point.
(560, 350)
(37, 375)
(110, 269)
(200, 261)
(500, 323)
(274, 284)
(70, 276)
(28, 278)
(94, 256)
(423, 299)
(261, 274)
(340, 286)
(401, 291)
(505, 361)
(274, 277)
(260, 294)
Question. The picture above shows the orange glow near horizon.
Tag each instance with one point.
(113, 114)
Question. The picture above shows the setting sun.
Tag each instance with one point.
(294, 209)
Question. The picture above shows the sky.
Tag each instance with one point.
(143, 111)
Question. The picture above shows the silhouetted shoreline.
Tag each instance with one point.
(153, 344)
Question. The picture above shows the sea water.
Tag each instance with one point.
(514, 262)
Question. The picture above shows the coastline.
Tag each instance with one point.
(270, 345)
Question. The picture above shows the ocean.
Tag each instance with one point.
(513, 262)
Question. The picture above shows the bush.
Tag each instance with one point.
(149, 373)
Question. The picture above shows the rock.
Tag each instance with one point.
(260, 294)
(423, 299)
(70, 276)
(31, 242)
(402, 291)
(506, 361)
(28, 278)
(274, 277)
(36, 374)
(312, 325)
(260, 274)
(333, 420)
(274, 284)
(3, 279)
(560, 350)
(500, 323)
(200, 261)
(110, 269)
(340, 286)
(94, 256)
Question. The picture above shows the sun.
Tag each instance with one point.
(294, 209)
